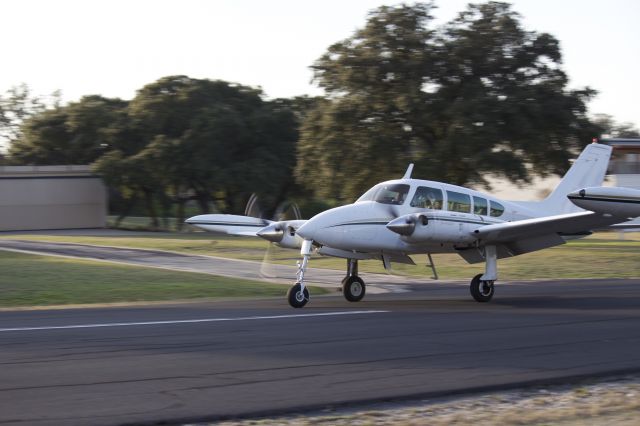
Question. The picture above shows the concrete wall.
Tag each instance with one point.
(51, 197)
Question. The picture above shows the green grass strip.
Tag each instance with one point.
(33, 280)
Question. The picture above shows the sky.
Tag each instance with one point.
(114, 47)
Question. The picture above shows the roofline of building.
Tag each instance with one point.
(61, 171)
(621, 142)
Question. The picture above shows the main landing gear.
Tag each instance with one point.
(482, 285)
(481, 290)
(353, 286)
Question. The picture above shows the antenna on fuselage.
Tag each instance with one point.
(407, 174)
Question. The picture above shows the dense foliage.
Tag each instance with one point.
(479, 95)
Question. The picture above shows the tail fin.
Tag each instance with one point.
(588, 170)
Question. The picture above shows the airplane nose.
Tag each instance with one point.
(308, 230)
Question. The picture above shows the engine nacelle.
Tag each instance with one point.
(617, 201)
(441, 227)
(283, 233)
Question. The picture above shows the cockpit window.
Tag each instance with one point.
(427, 198)
(386, 194)
(368, 196)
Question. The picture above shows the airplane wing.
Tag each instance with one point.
(229, 224)
(524, 236)
(283, 233)
(564, 224)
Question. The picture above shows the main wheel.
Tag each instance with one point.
(353, 288)
(297, 297)
(482, 291)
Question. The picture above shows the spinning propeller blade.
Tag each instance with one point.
(287, 210)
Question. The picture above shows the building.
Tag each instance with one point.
(51, 197)
(624, 166)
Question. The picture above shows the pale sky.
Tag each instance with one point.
(114, 47)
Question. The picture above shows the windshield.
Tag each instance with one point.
(386, 194)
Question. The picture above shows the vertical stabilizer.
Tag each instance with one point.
(587, 171)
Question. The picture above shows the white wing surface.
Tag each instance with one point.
(229, 224)
(525, 236)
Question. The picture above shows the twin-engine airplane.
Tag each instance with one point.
(399, 218)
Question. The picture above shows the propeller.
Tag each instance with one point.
(253, 207)
(406, 225)
(274, 232)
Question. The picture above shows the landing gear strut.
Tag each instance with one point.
(482, 285)
(353, 286)
(298, 295)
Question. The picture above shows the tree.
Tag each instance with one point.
(479, 95)
(17, 105)
(130, 177)
(610, 128)
(78, 133)
(215, 139)
(374, 84)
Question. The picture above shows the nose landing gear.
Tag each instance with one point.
(298, 295)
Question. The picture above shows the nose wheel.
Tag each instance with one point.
(298, 296)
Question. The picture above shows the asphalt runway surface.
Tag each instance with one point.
(182, 363)
(205, 361)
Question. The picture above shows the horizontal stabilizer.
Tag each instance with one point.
(617, 201)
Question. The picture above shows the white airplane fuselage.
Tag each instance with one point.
(362, 226)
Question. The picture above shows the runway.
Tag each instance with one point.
(206, 361)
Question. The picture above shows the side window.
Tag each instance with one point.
(480, 206)
(427, 198)
(496, 209)
(458, 202)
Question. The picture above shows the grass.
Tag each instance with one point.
(599, 256)
(33, 280)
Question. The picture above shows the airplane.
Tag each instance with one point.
(399, 218)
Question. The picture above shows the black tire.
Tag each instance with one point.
(482, 291)
(296, 297)
(353, 288)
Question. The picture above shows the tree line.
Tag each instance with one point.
(478, 95)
